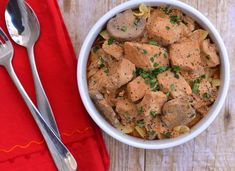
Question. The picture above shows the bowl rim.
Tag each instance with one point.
(137, 142)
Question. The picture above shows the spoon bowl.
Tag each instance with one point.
(24, 28)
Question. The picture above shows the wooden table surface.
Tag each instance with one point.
(212, 150)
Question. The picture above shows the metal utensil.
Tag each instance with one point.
(23, 27)
(63, 158)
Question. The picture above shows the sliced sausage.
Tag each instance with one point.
(125, 26)
(104, 107)
(178, 112)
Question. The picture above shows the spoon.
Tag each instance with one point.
(23, 27)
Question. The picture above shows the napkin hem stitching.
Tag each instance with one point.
(77, 131)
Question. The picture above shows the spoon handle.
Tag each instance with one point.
(64, 160)
(42, 100)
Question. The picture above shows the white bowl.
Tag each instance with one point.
(136, 142)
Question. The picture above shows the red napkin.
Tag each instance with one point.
(21, 144)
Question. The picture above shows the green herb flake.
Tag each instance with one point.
(153, 113)
(167, 135)
(174, 19)
(177, 75)
(136, 22)
(124, 28)
(140, 123)
(145, 51)
(168, 94)
(206, 95)
(110, 41)
(168, 28)
(96, 48)
(157, 55)
(172, 87)
(165, 54)
(153, 42)
(101, 63)
(167, 10)
(151, 133)
(195, 87)
(152, 83)
(106, 70)
(140, 110)
(152, 59)
(159, 70)
(175, 69)
(147, 82)
(155, 65)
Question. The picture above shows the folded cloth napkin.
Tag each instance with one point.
(21, 144)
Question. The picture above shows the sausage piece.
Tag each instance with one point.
(125, 26)
(178, 112)
(104, 107)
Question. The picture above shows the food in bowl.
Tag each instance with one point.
(153, 72)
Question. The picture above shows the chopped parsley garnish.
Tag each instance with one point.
(151, 133)
(174, 19)
(147, 82)
(124, 28)
(153, 113)
(159, 70)
(175, 69)
(195, 83)
(140, 123)
(168, 28)
(167, 9)
(172, 87)
(206, 95)
(110, 41)
(153, 42)
(150, 76)
(155, 65)
(165, 54)
(155, 56)
(152, 83)
(195, 87)
(168, 93)
(96, 48)
(145, 51)
(106, 70)
(101, 63)
(167, 134)
(136, 22)
(141, 110)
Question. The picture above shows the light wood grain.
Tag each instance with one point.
(212, 150)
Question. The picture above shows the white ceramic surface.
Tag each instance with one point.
(136, 142)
